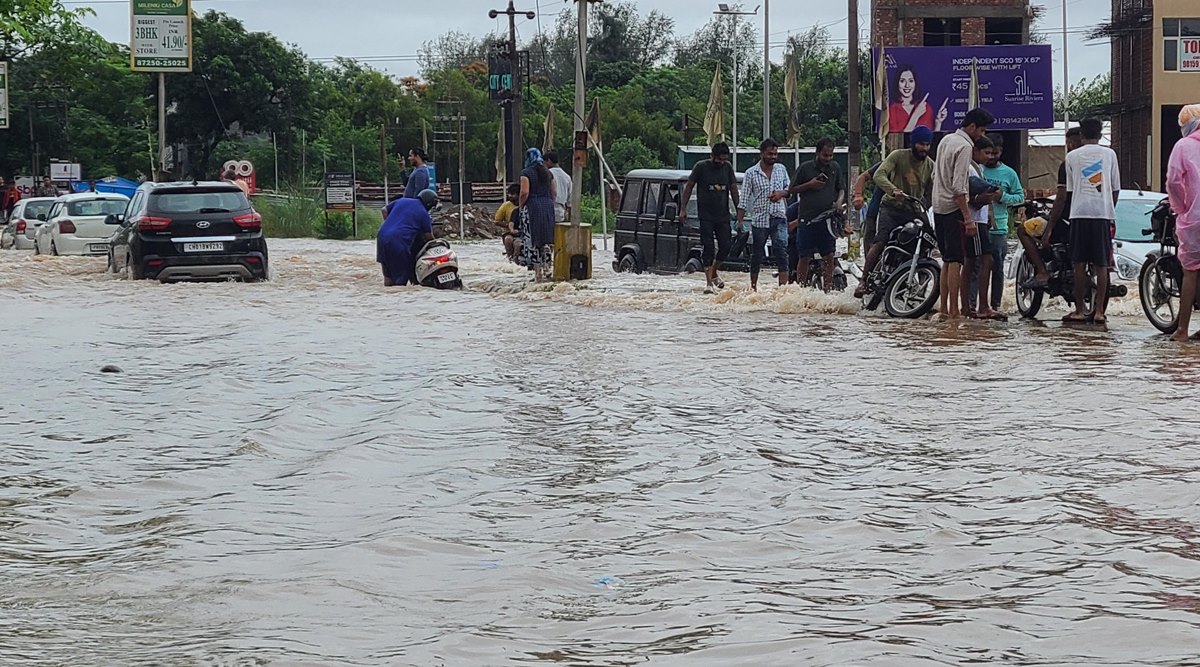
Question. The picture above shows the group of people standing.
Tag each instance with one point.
(532, 207)
(786, 210)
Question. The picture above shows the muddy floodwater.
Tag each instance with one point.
(321, 471)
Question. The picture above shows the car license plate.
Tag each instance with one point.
(203, 247)
(97, 247)
(447, 277)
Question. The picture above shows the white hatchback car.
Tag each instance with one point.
(76, 224)
(27, 217)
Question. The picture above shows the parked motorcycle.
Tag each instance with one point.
(437, 266)
(1162, 274)
(1062, 273)
(907, 280)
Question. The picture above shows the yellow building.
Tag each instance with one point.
(1156, 71)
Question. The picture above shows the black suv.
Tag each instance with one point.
(189, 231)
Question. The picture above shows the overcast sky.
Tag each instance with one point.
(388, 33)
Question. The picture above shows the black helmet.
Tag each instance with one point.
(429, 198)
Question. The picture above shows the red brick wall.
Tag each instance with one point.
(1132, 89)
(885, 20)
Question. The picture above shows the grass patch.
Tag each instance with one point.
(300, 214)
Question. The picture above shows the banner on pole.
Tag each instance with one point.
(339, 191)
(160, 38)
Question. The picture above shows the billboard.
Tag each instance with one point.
(930, 85)
(1189, 54)
(160, 38)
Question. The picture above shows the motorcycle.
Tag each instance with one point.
(835, 221)
(1062, 273)
(1162, 275)
(437, 266)
(907, 280)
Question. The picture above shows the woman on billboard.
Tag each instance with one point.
(907, 110)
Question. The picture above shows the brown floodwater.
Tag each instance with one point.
(321, 471)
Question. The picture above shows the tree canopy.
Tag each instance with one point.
(249, 95)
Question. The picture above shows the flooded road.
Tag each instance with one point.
(319, 471)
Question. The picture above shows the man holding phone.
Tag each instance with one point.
(982, 195)
(819, 186)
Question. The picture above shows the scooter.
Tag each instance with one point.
(437, 266)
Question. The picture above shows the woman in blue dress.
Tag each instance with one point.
(537, 214)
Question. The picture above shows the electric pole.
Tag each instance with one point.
(853, 114)
(513, 115)
(581, 141)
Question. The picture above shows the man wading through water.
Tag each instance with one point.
(951, 212)
(718, 183)
(820, 187)
(766, 189)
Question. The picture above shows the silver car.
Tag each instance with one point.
(28, 216)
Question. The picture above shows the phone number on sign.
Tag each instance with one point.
(161, 62)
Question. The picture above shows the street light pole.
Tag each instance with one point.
(1066, 81)
(724, 9)
(516, 157)
(766, 69)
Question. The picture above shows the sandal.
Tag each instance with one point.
(1071, 318)
(718, 283)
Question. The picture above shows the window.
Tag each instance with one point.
(1181, 45)
(96, 207)
(35, 208)
(943, 32)
(652, 193)
(200, 202)
(633, 196)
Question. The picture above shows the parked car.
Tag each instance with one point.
(648, 235)
(188, 231)
(75, 224)
(27, 217)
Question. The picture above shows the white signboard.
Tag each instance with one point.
(1189, 54)
(65, 171)
(3, 96)
(160, 38)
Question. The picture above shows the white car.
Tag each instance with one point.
(27, 217)
(76, 224)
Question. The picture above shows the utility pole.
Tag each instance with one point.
(513, 116)
(766, 69)
(854, 113)
(580, 95)
(724, 9)
(162, 126)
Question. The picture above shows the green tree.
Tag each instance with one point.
(27, 26)
(1087, 98)
(628, 153)
(243, 83)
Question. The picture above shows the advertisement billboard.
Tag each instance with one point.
(1189, 54)
(931, 85)
(160, 37)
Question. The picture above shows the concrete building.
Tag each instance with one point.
(956, 23)
(1156, 71)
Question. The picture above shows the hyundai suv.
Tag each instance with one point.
(189, 231)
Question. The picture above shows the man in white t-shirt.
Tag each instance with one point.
(1093, 184)
(562, 180)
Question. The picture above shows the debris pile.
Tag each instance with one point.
(478, 223)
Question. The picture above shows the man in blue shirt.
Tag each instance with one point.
(406, 229)
(418, 180)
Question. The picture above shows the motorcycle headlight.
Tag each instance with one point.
(1127, 269)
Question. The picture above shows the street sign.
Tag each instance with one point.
(339, 191)
(3, 96)
(1189, 54)
(66, 171)
(160, 38)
